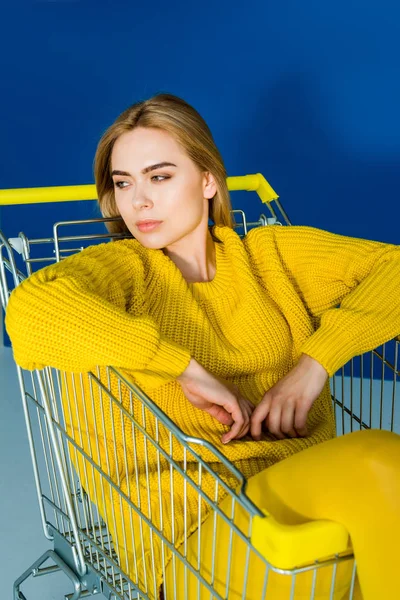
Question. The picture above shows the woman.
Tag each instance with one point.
(230, 337)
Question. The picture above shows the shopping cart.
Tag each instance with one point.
(102, 545)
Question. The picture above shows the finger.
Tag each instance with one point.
(259, 415)
(273, 420)
(246, 420)
(250, 412)
(250, 406)
(247, 408)
(287, 420)
(219, 413)
(238, 422)
(300, 419)
(246, 426)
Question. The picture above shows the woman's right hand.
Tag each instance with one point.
(220, 399)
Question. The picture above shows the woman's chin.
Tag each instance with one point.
(150, 242)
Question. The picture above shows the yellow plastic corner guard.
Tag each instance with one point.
(225, 563)
(70, 193)
(253, 183)
(290, 546)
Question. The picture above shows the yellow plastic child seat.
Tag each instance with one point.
(285, 546)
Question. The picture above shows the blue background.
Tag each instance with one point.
(308, 93)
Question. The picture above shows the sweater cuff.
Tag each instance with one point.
(167, 364)
(331, 347)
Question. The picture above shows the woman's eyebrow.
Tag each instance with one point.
(145, 170)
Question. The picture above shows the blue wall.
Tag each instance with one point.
(308, 93)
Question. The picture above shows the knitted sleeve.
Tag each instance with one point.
(351, 286)
(73, 316)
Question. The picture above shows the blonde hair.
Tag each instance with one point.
(185, 124)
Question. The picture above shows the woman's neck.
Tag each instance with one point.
(194, 257)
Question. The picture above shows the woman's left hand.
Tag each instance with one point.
(285, 406)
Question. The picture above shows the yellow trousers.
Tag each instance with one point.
(353, 480)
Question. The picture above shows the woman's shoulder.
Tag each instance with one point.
(271, 235)
(106, 257)
(114, 249)
(257, 237)
(284, 234)
(262, 231)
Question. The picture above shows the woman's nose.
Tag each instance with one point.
(141, 199)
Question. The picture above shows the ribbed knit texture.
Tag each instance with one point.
(275, 295)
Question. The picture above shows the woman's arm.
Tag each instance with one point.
(72, 315)
(350, 286)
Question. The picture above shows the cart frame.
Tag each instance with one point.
(83, 547)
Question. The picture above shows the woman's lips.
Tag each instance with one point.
(148, 226)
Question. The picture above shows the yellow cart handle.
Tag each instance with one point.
(69, 193)
(253, 183)
(60, 193)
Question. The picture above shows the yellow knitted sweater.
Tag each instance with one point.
(277, 293)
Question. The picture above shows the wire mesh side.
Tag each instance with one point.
(366, 392)
(125, 527)
(73, 236)
(148, 499)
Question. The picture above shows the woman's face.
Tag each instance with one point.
(155, 180)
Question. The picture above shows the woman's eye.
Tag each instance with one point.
(156, 178)
(121, 184)
(159, 177)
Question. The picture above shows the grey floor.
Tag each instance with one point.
(22, 538)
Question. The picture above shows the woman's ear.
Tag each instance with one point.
(209, 185)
